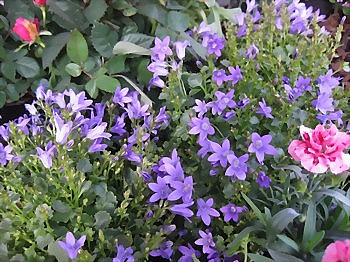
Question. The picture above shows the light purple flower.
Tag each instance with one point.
(324, 103)
(166, 162)
(121, 96)
(72, 246)
(158, 68)
(264, 109)
(252, 51)
(202, 127)
(238, 166)
(235, 74)
(160, 188)
(334, 116)
(206, 241)
(221, 153)
(214, 44)
(119, 125)
(5, 154)
(231, 211)
(263, 180)
(223, 101)
(251, 6)
(77, 102)
(328, 82)
(183, 210)
(261, 146)
(157, 81)
(205, 210)
(62, 129)
(187, 253)
(205, 147)
(219, 76)
(303, 84)
(136, 111)
(161, 49)
(123, 254)
(201, 108)
(98, 132)
(97, 146)
(165, 250)
(180, 48)
(182, 190)
(46, 155)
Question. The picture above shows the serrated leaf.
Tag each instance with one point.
(60, 207)
(107, 83)
(77, 48)
(54, 45)
(91, 88)
(103, 38)
(102, 219)
(116, 64)
(27, 67)
(84, 165)
(73, 69)
(123, 48)
(95, 10)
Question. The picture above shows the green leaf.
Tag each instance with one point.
(2, 98)
(54, 45)
(8, 69)
(77, 48)
(84, 165)
(310, 224)
(195, 80)
(123, 48)
(233, 246)
(143, 75)
(103, 38)
(91, 88)
(178, 21)
(154, 11)
(116, 64)
(95, 10)
(86, 186)
(256, 210)
(283, 257)
(55, 250)
(290, 242)
(102, 219)
(281, 220)
(107, 83)
(60, 206)
(317, 238)
(143, 40)
(12, 93)
(73, 69)
(27, 67)
(332, 193)
(259, 258)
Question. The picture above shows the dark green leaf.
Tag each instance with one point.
(281, 220)
(103, 38)
(259, 258)
(102, 219)
(95, 10)
(234, 245)
(54, 45)
(27, 67)
(116, 64)
(195, 80)
(12, 93)
(60, 206)
(73, 69)
(310, 224)
(337, 195)
(313, 242)
(77, 48)
(153, 10)
(91, 88)
(123, 48)
(59, 253)
(143, 75)
(256, 210)
(8, 69)
(178, 21)
(290, 242)
(2, 98)
(84, 165)
(282, 257)
(107, 83)
(143, 40)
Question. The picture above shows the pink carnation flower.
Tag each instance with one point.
(321, 149)
(338, 251)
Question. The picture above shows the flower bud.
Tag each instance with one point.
(26, 30)
(39, 2)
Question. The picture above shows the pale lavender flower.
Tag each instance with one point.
(215, 44)
(323, 103)
(176, 172)
(242, 31)
(235, 74)
(187, 253)
(71, 245)
(328, 82)
(264, 109)
(231, 211)
(221, 153)
(124, 254)
(46, 155)
(219, 76)
(334, 116)
(180, 48)
(162, 118)
(77, 102)
(252, 51)
(62, 129)
(136, 111)
(167, 161)
(206, 241)
(303, 84)
(5, 154)
(263, 180)
(161, 49)
(182, 189)
(97, 146)
(31, 108)
(238, 166)
(121, 96)
(205, 147)
(157, 81)
(22, 124)
(165, 250)
(119, 125)
(160, 188)
(243, 102)
(205, 210)
(98, 132)
(201, 107)
(183, 210)
(261, 146)
(223, 101)
(202, 127)
(240, 17)
(4, 131)
(158, 68)
(251, 6)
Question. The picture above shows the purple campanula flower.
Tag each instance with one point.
(121, 96)
(4, 131)
(157, 81)
(71, 245)
(176, 173)
(124, 254)
(182, 190)
(242, 31)
(167, 161)
(41, 95)
(293, 93)
(238, 166)
(62, 129)
(202, 127)
(187, 253)
(261, 146)
(183, 210)
(279, 23)
(201, 108)
(161, 49)
(303, 84)
(118, 128)
(162, 118)
(205, 210)
(334, 116)
(221, 153)
(231, 211)
(77, 102)
(223, 101)
(243, 102)
(263, 180)
(323, 103)
(205, 147)
(240, 17)
(328, 82)
(251, 6)
(5, 154)
(97, 146)
(131, 155)
(165, 250)
(206, 240)
(167, 229)
(46, 155)
(158, 68)
(235, 74)
(180, 48)
(98, 132)
(264, 109)
(160, 188)
(252, 51)
(136, 111)
(215, 44)
(219, 76)
(31, 108)
(22, 124)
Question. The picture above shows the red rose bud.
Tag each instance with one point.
(27, 30)
(40, 2)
